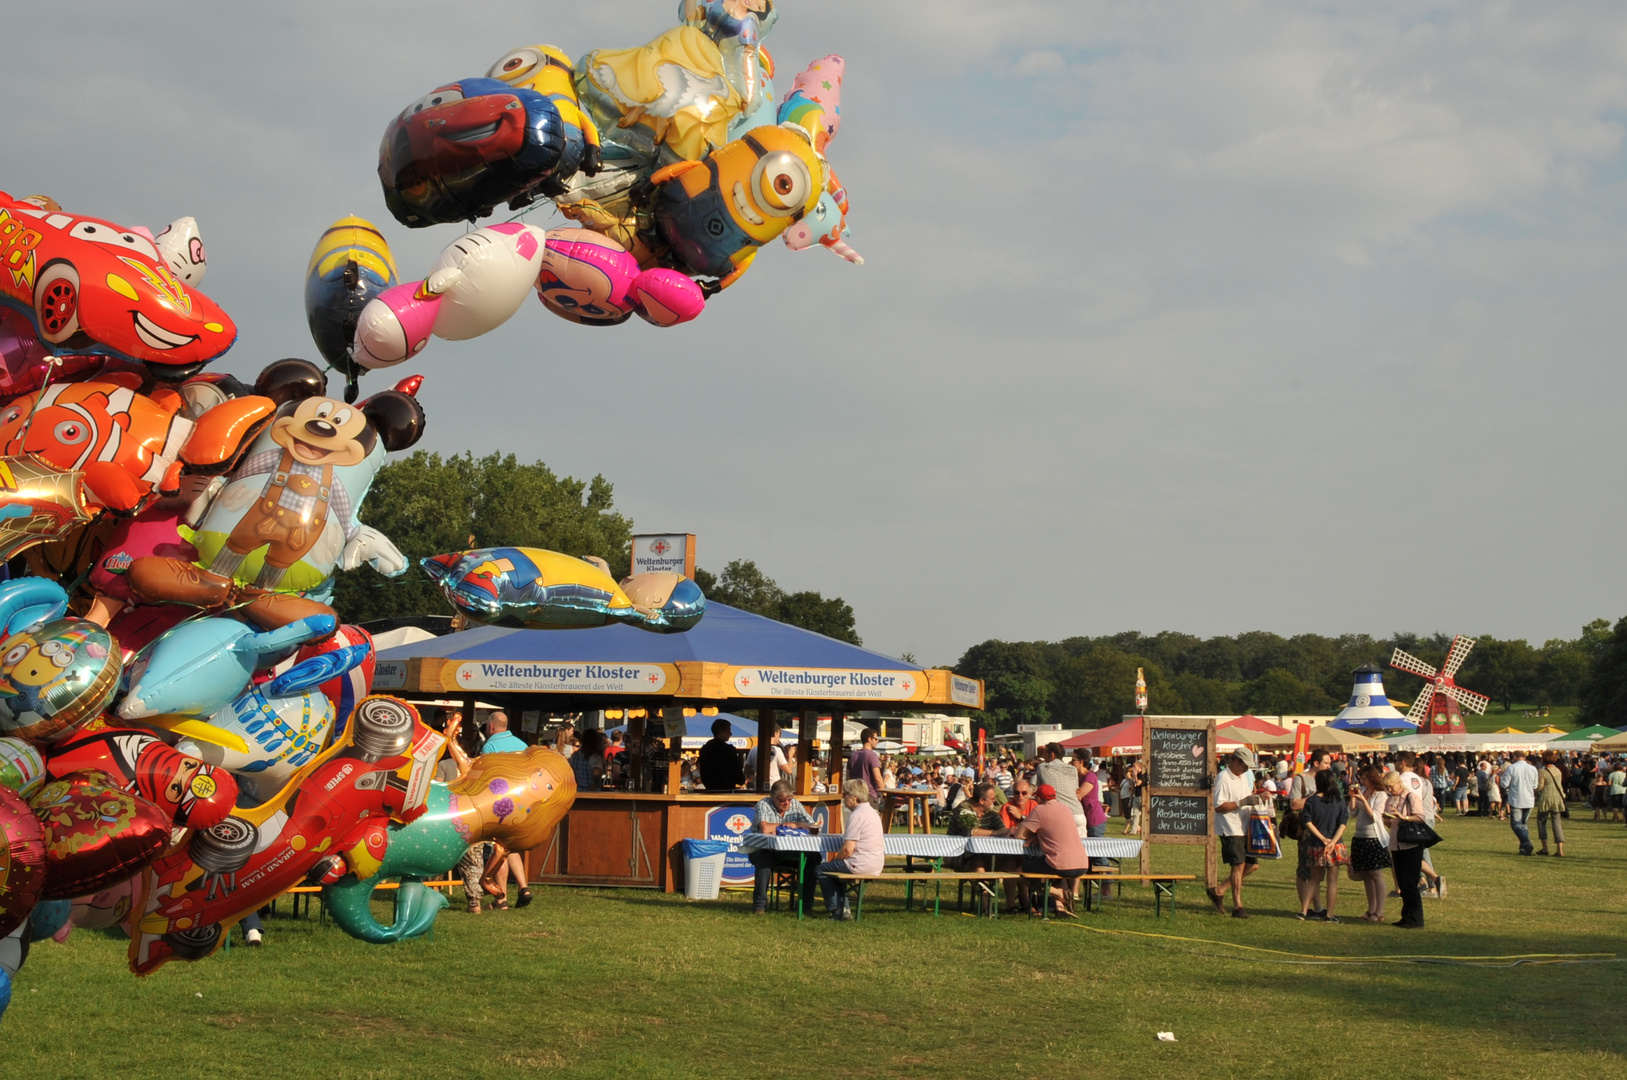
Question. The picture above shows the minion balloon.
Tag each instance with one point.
(548, 71)
(716, 213)
(56, 677)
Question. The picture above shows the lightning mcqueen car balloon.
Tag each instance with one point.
(90, 287)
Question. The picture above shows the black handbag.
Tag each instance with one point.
(1288, 829)
(1416, 833)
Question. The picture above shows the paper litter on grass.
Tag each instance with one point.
(1166, 1036)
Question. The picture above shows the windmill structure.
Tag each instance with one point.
(1436, 710)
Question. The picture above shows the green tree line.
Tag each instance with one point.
(429, 505)
(1086, 682)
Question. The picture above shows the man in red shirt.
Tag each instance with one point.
(1021, 802)
(1062, 852)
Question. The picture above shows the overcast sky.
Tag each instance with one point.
(1211, 316)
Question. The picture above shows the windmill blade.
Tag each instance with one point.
(1405, 661)
(1475, 703)
(1455, 656)
(1419, 713)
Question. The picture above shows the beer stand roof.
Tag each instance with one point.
(731, 657)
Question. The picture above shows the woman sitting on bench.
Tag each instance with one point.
(862, 850)
(1062, 852)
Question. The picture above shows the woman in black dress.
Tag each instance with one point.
(1369, 849)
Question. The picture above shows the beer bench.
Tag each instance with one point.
(1163, 887)
(310, 892)
(980, 880)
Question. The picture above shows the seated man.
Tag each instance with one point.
(861, 851)
(778, 809)
(1061, 851)
(981, 816)
(1021, 802)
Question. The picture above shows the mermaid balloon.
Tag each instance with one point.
(515, 799)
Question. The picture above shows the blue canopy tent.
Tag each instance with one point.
(731, 660)
(726, 635)
(750, 662)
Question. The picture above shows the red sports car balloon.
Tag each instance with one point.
(96, 834)
(22, 861)
(89, 286)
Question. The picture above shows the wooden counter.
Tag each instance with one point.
(630, 839)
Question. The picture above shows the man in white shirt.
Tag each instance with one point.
(1520, 782)
(1234, 795)
(778, 767)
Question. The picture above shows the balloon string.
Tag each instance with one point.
(51, 364)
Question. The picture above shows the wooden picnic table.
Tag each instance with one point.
(910, 796)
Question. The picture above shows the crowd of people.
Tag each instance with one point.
(1054, 801)
(1343, 813)
(1362, 815)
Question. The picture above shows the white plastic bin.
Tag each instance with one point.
(703, 877)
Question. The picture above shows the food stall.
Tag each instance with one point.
(732, 660)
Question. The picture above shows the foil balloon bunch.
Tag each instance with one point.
(672, 160)
(168, 659)
(187, 730)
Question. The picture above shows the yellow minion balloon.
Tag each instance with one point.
(716, 213)
(547, 70)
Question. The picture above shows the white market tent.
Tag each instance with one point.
(1476, 744)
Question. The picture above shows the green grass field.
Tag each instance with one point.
(605, 983)
(1496, 718)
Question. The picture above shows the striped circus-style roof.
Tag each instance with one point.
(1369, 706)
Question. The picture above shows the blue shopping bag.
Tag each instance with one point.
(1262, 836)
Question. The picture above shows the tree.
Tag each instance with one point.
(743, 585)
(832, 617)
(1604, 695)
(1563, 668)
(1595, 636)
(1097, 689)
(1502, 670)
(1203, 696)
(429, 505)
(1015, 687)
(1279, 692)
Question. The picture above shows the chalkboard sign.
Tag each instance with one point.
(1180, 758)
(1178, 815)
